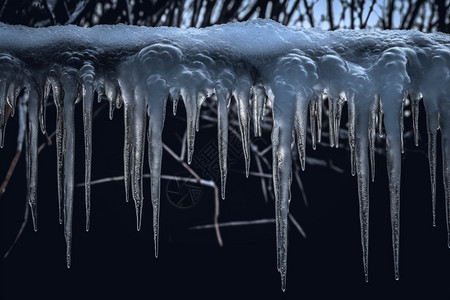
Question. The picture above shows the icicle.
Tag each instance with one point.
(13, 93)
(87, 75)
(402, 125)
(415, 101)
(32, 130)
(301, 120)
(361, 113)
(157, 98)
(190, 103)
(138, 130)
(352, 132)
(43, 108)
(242, 96)
(319, 117)
(380, 118)
(128, 113)
(432, 125)
(331, 123)
(222, 135)
(445, 141)
(392, 102)
(58, 95)
(337, 117)
(111, 95)
(259, 97)
(200, 98)
(283, 120)
(175, 95)
(71, 91)
(313, 122)
(374, 109)
(3, 110)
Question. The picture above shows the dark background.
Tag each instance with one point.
(113, 260)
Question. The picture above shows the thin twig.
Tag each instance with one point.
(11, 169)
(178, 159)
(208, 183)
(22, 227)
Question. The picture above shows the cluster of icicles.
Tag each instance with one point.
(258, 64)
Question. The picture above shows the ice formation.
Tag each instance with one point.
(258, 63)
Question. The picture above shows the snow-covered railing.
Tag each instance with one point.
(257, 63)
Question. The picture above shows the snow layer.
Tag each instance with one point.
(256, 63)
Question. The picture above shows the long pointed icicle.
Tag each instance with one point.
(432, 125)
(58, 95)
(444, 109)
(222, 135)
(157, 101)
(87, 76)
(139, 123)
(282, 173)
(242, 96)
(128, 112)
(70, 86)
(361, 162)
(33, 128)
(392, 121)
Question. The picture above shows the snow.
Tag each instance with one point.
(256, 63)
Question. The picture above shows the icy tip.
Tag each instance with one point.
(366, 277)
(68, 261)
(156, 251)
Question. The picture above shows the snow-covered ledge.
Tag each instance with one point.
(257, 63)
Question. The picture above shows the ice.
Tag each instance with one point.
(87, 74)
(242, 96)
(261, 65)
